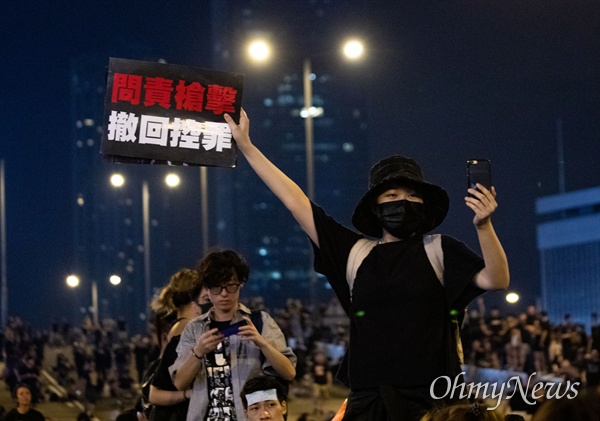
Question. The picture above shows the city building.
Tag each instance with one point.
(568, 240)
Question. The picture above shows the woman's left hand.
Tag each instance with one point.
(483, 204)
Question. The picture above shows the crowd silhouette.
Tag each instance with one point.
(96, 362)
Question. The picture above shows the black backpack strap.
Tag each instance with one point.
(257, 321)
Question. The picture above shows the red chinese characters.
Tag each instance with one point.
(158, 91)
(162, 92)
(189, 97)
(220, 99)
(127, 88)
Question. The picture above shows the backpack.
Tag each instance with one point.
(433, 248)
(147, 379)
(360, 250)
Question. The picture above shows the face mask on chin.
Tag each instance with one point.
(401, 218)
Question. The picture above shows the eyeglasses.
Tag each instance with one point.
(230, 288)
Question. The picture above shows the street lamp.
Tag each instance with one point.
(115, 279)
(353, 49)
(259, 50)
(73, 282)
(512, 297)
(172, 180)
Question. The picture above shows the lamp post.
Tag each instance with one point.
(4, 286)
(309, 130)
(204, 208)
(73, 282)
(259, 50)
(171, 180)
(146, 236)
(353, 49)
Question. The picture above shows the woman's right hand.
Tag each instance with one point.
(241, 131)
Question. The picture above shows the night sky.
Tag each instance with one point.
(446, 81)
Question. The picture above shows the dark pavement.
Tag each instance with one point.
(108, 408)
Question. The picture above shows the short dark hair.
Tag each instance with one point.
(262, 383)
(219, 267)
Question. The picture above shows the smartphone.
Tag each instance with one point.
(232, 329)
(479, 171)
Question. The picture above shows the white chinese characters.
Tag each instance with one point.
(181, 133)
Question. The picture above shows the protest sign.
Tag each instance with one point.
(157, 113)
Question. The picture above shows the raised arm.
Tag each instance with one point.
(290, 194)
(495, 275)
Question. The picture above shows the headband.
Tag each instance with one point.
(261, 396)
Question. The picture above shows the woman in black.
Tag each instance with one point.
(182, 296)
(402, 316)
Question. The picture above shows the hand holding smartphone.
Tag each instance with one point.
(479, 171)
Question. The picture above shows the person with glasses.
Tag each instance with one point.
(181, 300)
(222, 349)
(402, 305)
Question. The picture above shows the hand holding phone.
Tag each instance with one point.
(479, 171)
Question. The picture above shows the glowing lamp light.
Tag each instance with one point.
(312, 112)
(117, 180)
(512, 297)
(172, 180)
(353, 49)
(72, 281)
(259, 50)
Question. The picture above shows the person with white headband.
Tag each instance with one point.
(264, 399)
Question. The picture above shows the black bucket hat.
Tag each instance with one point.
(386, 173)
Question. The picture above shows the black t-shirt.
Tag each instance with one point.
(400, 332)
(221, 405)
(31, 415)
(163, 381)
